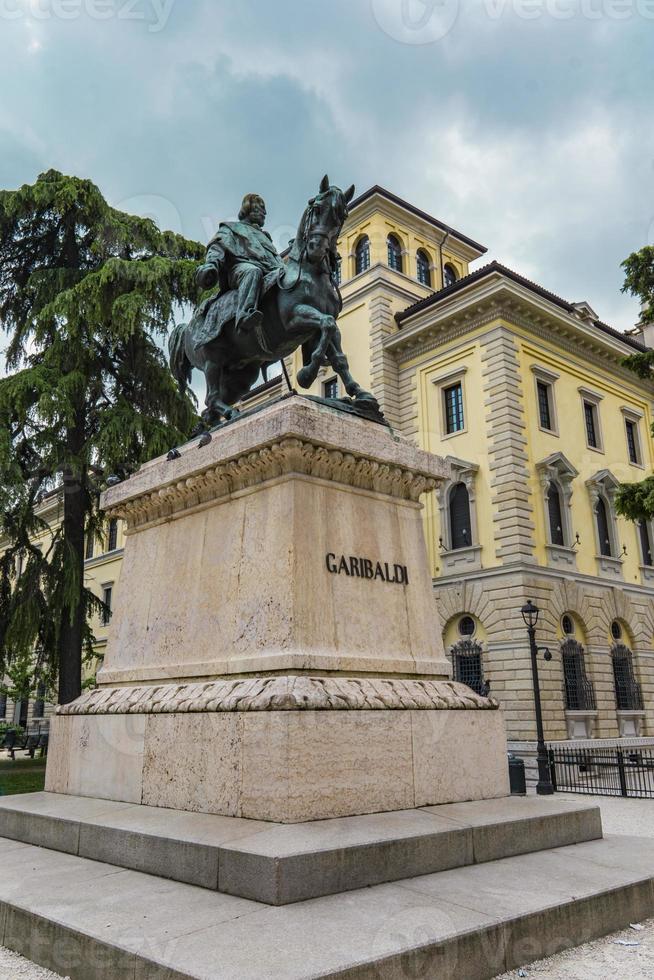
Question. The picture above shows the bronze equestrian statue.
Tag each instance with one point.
(267, 307)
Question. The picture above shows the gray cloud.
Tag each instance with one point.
(531, 134)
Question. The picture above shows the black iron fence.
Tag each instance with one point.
(604, 771)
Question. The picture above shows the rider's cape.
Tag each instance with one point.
(235, 241)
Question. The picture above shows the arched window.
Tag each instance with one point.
(468, 667)
(362, 255)
(394, 253)
(424, 272)
(579, 692)
(603, 532)
(460, 528)
(449, 275)
(555, 514)
(628, 693)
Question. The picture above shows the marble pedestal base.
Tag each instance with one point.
(287, 765)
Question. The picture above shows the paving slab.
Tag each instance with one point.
(283, 863)
(89, 920)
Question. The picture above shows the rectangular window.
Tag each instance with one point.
(89, 547)
(3, 706)
(113, 535)
(590, 415)
(545, 405)
(107, 592)
(453, 398)
(330, 388)
(632, 441)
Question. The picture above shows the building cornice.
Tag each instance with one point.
(486, 302)
(377, 200)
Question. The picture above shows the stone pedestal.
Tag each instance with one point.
(275, 651)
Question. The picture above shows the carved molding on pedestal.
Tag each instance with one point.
(284, 457)
(280, 693)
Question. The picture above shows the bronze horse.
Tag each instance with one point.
(300, 310)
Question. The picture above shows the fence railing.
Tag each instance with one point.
(627, 771)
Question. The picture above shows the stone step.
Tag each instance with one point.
(93, 921)
(283, 863)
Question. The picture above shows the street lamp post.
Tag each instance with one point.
(530, 614)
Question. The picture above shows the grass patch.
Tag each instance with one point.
(21, 776)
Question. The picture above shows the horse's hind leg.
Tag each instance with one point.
(217, 407)
(340, 364)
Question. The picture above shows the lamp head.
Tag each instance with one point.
(530, 614)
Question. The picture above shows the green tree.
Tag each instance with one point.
(636, 500)
(85, 290)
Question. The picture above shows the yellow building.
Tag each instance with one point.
(525, 393)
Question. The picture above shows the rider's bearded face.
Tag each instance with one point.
(257, 212)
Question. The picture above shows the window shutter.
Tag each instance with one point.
(460, 527)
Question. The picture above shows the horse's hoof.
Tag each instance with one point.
(231, 413)
(305, 377)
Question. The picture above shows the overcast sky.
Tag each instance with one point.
(526, 124)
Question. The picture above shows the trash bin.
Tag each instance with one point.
(517, 780)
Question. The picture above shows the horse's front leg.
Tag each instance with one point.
(306, 318)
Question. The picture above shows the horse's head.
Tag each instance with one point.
(322, 222)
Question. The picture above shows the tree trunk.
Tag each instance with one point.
(72, 614)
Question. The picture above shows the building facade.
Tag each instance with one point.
(526, 395)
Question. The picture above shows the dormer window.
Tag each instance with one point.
(423, 267)
(394, 253)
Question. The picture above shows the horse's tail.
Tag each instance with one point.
(180, 365)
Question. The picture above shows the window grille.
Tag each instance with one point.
(555, 514)
(645, 542)
(544, 409)
(362, 255)
(424, 272)
(603, 529)
(449, 275)
(591, 427)
(394, 253)
(460, 528)
(454, 421)
(468, 666)
(113, 535)
(628, 693)
(579, 692)
(632, 442)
